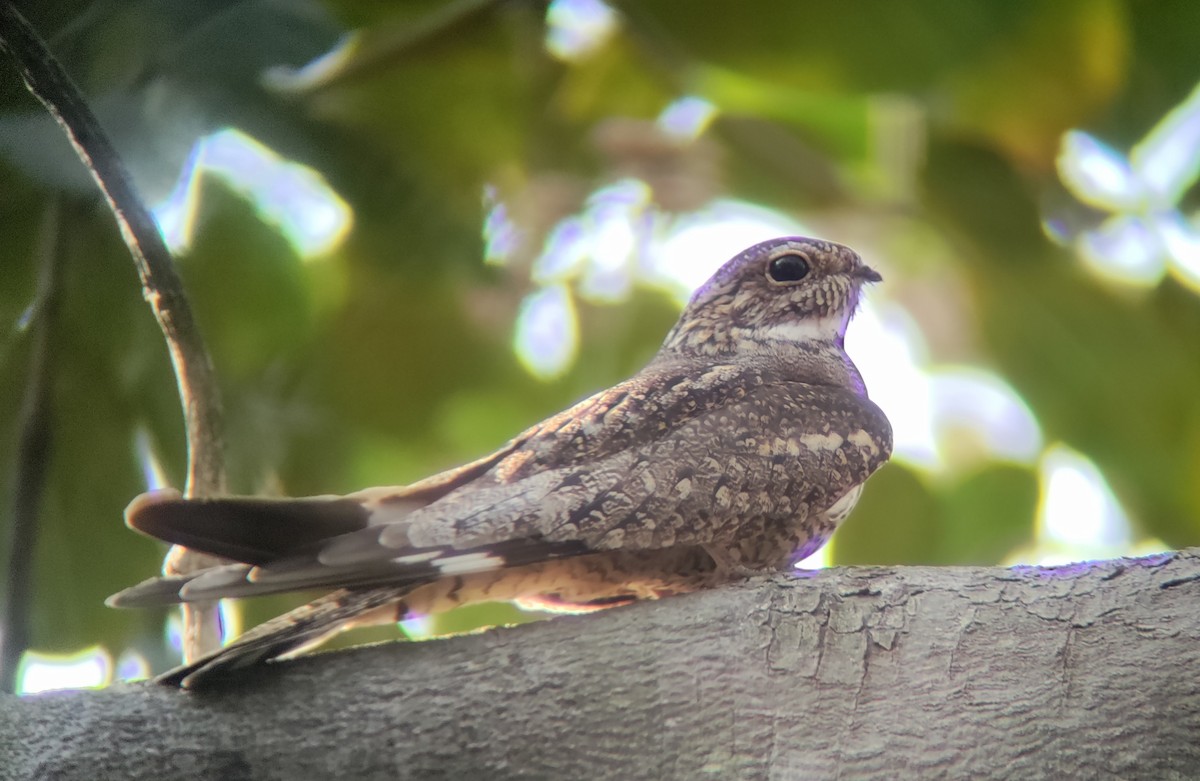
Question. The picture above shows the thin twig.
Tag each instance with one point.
(32, 456)
(161, 284)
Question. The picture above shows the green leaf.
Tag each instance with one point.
(898, 520)
(988, 513)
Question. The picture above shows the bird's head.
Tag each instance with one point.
(792, 289)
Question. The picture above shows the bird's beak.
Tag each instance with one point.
(867, 274)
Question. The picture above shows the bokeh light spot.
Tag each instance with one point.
(687, 117)
(1124, 249)
(293, 197)
(821, 558)
(695, 245)
(501, 236)
(132, 666)
(982, 406)
(230, 613)
(1078, 508)
(89, 668)
(889, 350)
(1147, 234)
(546, 338)
(578, 28)
(173, 632)
(315, 72)
(1168, 158)
(1099, 175)
(153, 472)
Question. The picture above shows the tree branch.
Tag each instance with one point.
(33, 455)
(161, 286)
(864, 673)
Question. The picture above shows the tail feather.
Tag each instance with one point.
(281, 545)
(237, 581)
(152, 592)
(288, 634)
(247, 529)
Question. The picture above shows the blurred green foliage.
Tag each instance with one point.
(390, 358)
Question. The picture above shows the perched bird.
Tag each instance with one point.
(736, 450)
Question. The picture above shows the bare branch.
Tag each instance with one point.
(33, 456)
(161, 284)
(856, 672)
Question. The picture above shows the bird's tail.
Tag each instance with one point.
(294, 632)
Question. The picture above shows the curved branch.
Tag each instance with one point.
(161, 284)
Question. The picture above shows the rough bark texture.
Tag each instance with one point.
(1081, 672)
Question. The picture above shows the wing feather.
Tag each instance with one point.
(757, 455)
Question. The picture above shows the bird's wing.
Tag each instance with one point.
(668, 458)
(687, 464)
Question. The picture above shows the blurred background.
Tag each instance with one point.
(411, 230)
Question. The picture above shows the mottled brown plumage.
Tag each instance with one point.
(736, 450)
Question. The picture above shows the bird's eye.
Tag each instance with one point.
(788, 268)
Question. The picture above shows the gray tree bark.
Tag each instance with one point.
(1089, 671)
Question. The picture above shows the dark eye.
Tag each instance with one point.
(788, 268)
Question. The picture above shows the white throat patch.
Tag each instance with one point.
(821, 329)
